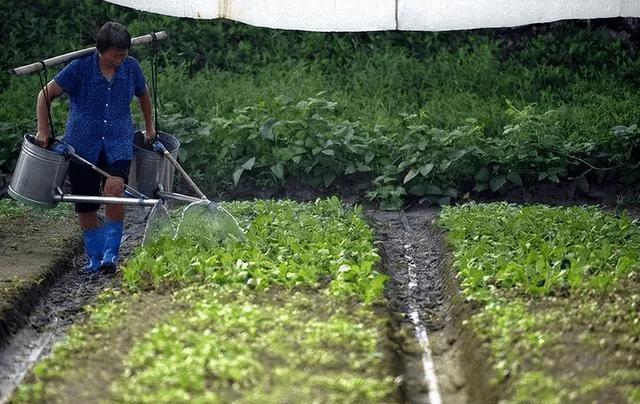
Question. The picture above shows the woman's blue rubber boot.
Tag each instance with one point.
(93, 246)
(113, 235)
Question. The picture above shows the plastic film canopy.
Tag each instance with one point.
(378, 15)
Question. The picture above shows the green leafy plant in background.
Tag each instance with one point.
(272, 143)
(425, 115)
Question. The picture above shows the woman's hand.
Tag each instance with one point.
(149, 135)
(42, 138)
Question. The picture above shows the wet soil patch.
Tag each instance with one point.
(87, 366)
(414, 256)
(609, 196)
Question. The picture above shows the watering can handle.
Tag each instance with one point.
(132, 191)
(159, 147)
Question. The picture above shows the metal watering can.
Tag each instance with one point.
(40, 173)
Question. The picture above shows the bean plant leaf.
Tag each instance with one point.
(369, 157)
(266, 131)
(482, 176)
(515, 178)
(328, 179)
(248, 165)
(418, 189)
(410, 175)
(278, 171)
(236, 175)
(433, 190)
(497, 182)
(458, 153)
(426, 169)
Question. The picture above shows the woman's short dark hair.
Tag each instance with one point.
(113, 35)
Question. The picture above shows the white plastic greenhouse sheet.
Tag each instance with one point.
(378, 15)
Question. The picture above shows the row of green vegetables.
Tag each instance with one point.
(285, 313)
(557, 291)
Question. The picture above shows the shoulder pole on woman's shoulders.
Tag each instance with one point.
(68, 57)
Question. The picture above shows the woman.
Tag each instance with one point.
(100, 129)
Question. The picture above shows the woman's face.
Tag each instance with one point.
(113, 57)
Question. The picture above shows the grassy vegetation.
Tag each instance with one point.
(557, 291)
(12, 209)
(206, 319)
(432, 115)
(234, 347)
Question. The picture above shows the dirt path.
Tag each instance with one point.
(55, 308)
(420, 295)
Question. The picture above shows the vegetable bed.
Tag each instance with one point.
(288, 314)
(557, 292)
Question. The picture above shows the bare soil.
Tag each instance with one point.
(34, 251)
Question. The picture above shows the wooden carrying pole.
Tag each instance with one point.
(67, 57)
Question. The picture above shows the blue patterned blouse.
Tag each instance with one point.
(100, 113)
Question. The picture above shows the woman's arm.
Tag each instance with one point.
(44, 133)
(145, 108)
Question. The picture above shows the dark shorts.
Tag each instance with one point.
(85, 181)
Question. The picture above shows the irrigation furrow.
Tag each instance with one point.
(56, 311)
(412, 254)
(422, 335)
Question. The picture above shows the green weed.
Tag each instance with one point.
(11, 208)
